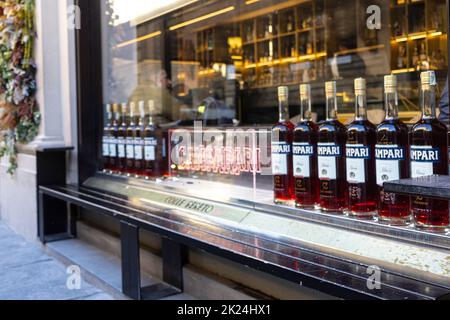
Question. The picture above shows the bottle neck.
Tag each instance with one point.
(391, 105)
(284, 110)
(124, 119)
(305, 109)
(360, 106)
(428, 101)
(116, 118)
(331, 108)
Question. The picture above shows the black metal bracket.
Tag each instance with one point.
(173, 254)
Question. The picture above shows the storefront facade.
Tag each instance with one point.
(202, 80)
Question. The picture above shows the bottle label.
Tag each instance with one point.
(138, 146)
(327, 158)
(301, 159)
(130, 148)
(105, 146)
(149, 149)
(113, 147)
(388, 159)
(422, 160)
(280, 152)
(121, 147)
(357, 154)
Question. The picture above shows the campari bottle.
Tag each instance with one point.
(360, 159)
(331, 157)
(129, 149)
(306, 181)
(428, 157)
(151, 138)
(106, 139)
(392, 159)
(121, 141)
(282, 134)
(138, 136)
(113, 159)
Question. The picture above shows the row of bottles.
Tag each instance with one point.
(342, 169)
(133, 144)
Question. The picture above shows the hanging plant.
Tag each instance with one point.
(19, 115)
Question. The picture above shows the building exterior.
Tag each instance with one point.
(182, 64)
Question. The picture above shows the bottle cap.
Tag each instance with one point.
(360, 86)
(132, 108)
(124, 108)
(141, 105)
(151, 106)
(115, 107)
(108, 108)
(305, 91)
(390, 83)
(283, 93)
(428, 78)
(330, 88)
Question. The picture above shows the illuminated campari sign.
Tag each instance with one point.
(220, 151)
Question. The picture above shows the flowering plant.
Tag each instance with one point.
(19, 115)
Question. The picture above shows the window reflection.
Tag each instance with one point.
(220, 62)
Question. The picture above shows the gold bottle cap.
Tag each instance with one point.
(305, 91)
(360, 86)
(133, 108)
(428, 78)
(124, 108)
(115, 107)
(283, 93)
(141, 105)
(151, 106)
(330, 88)
(390, 83)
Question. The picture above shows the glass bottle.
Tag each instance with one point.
(151, 138)
(331, 161)
(282, 134)
(121, 141)
(360, 159)
(106, 139)
(429, 156)
(391, 154)
(304, 146)
(129, 143)
(113, 159)
(138, 136)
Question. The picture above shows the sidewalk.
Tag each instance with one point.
(28, 273)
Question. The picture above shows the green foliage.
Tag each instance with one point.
(19, 115)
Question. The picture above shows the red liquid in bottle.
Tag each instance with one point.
(130, 145)
(306, 180)
(332, 170)
(429, 156)
(114, 132)
(392, 159)
(121, 159)
(360, 158)
(431, 134)
(282, 162)
(392, 137)
(282, 135)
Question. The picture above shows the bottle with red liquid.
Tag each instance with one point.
(428, 157)
(360, 159)
(304, 145)
(138, 136)
(121, 141)
(152, 140)
(331, 157)
(129, 142)
(114, 133)
(282, 134)
(392, 159)
(106, 139)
